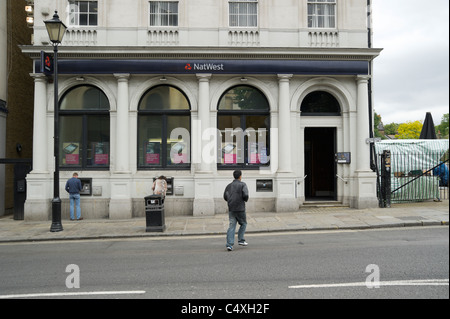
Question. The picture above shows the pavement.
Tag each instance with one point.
(306, 219)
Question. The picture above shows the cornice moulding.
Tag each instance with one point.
(96, 52)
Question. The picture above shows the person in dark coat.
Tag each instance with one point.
(236, 195)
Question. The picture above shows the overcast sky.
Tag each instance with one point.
(411, 75)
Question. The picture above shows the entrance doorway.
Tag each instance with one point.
(320, 165)
(22, 167)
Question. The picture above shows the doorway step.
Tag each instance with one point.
(323, 204)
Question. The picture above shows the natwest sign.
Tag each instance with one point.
(107, 66)
(204, 67)
(46, 63)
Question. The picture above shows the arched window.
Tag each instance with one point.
(84, 129)
(164, 129)
(244, 123)
(320, 103)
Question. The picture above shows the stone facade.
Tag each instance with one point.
(281, 56)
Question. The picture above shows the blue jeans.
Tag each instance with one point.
(236, 217)
(75, 198)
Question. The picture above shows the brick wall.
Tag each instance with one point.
(19, 121)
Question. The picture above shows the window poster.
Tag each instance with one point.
(263, 158)
(254, 156)
(257, 153)
(152, 153)
(101, 153)
(178, 153)
(71, 153)
(229, 155)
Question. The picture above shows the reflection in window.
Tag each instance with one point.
(164, 97)
(321, 13)
(243, 98)
(320, 104)
(244, 124)
(83, 13)
(164, 129)
(85, 98)
(163, 13)
(150, 139)
(243, 13)
(97, 141)
(84, 129)
(71, 135)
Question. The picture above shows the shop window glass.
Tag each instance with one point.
(150, 141)
(97, 141)
(71, 137)
(83, 13)
(85, 98)
(320, 104)
(162, 98)
(84, 129)
(244, 124)
(164, 13)
(241, 98)
(321, 13)
(164, 129)
(243, 13)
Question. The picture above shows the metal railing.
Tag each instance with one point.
(412, 177)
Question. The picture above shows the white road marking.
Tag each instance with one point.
(428, 282)
(73, 294)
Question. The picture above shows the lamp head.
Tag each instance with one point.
(56, 29)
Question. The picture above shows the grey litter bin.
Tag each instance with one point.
(154, 214)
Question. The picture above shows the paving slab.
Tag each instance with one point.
(306, 219)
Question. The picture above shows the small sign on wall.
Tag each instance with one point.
(344, 158)
(264, 185)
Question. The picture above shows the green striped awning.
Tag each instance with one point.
(411, 155)
(412, 146)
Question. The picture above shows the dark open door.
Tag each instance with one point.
(320, 164)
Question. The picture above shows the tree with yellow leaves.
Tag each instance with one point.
(409, 130)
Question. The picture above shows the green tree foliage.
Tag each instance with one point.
(391, 129)
(410, 130)
(442, 129)
(376, 122)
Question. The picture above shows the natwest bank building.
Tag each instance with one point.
(192, 92)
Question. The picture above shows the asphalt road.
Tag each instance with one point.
(405, 263)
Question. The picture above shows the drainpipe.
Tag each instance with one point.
(369, 44)
(3, 96)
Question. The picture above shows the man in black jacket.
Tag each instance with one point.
(236, 194)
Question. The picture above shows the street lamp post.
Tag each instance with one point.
(56, 30)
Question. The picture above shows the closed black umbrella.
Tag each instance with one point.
(428, 130)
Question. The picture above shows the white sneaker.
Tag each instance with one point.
(230, 248)
(243, 243)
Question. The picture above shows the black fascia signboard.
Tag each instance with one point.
(306, 67)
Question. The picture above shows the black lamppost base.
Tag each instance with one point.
(56, 227)
(56, 216)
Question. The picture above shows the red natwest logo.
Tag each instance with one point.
(188, 67)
